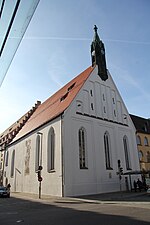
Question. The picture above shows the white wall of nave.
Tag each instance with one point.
(25, 178)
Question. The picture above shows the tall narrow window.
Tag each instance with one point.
(92, 107)
(113, 100)
(145, 141)
(148, 156)
(108, 160)
(91, 92)
(103, 97)
(51, 150)
(140, 156)
(126, 152)
(12, 164)
(82, 149)
(7, 156)
(37, 153)
(138, 140)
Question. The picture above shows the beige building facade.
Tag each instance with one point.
(142, 126)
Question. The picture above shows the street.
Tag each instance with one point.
(69, 211)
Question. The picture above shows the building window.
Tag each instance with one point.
(140, 155)
(37, 153)
(82, 149)
(145, 127)
(72, 85)
(148, 157)
(138, 140)
(91, 92)
(145, 141)
(126, 152)
(92, 107)
(51, 150)
(113, 100)
(104, 109)
(7, 156)
(12, 164)
(125, 119)
(108, 160)
(103, 97)
(79, 106)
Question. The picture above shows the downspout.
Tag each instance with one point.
(3, 166)
(62, 154)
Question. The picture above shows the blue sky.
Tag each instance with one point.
(56, 48)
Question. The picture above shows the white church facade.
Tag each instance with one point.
(75, 138)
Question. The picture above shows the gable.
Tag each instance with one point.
(102, 100)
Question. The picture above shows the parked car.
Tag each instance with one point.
(4, 192)
(148, 191)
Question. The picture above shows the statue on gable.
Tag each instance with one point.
(98, 55)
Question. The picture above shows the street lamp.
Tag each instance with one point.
(40, 165)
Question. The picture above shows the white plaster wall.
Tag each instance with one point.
(96, 179)
(96, 120)
(52, 182)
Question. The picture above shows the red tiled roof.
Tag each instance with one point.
(9, 134)
(55, 105)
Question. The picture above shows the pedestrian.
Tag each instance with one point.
(135, 185)
(8, 186)
(144, 184)
(139, 183)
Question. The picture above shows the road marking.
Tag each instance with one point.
(19, 221)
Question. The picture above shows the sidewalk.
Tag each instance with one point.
(119, 196)
(111, 197)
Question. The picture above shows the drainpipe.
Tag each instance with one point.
(62, 154)
(3, 165)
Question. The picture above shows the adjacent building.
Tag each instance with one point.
(76, 141)
(142, 126)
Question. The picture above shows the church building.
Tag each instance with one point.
(78, 142)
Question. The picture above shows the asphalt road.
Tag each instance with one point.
(72, 212)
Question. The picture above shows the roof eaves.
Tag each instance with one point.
(9, 134)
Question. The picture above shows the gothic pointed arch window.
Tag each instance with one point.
(7, 157)
(82, 148)
(12, 164)
(148, 156)
(126, 152)
(145, 141)
(37, 153)
(51, 150)
(140, 155)
(107, 147)
(138, 140)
